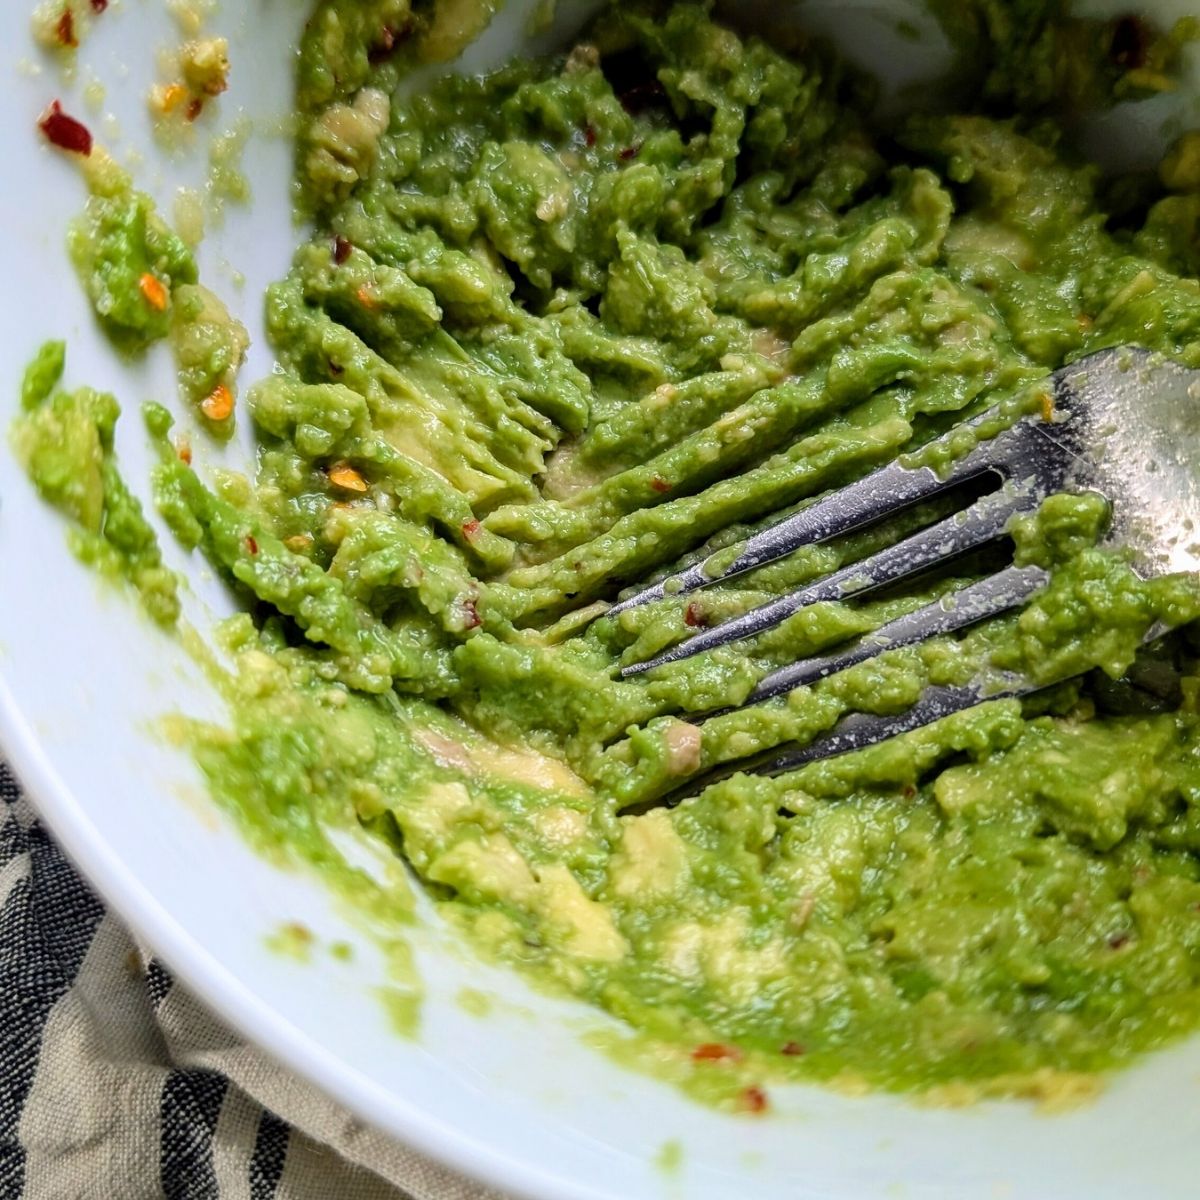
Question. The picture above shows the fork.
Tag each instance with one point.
(1123, 423)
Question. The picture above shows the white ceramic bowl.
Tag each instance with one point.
(516, 1098)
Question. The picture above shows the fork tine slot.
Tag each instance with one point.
(982, 522)
(868, 499)
(987, 598)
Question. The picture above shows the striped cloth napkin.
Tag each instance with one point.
(116, 1084)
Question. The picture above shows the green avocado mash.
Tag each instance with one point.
(143, 284)
(65, 441)
(584, 320)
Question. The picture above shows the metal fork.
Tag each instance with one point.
(1124, 423)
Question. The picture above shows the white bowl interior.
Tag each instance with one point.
(515, 1097)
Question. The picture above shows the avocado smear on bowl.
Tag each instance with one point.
(585, 319)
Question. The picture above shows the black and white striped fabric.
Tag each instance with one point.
(116, 1084)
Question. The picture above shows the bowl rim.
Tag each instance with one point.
(397, 1113)
(238, 1005)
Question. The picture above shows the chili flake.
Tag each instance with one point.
(251, 543)
(341, 249)
(155, 294)
(716, 1052)
(471, 529)
(659, 484)
(753, 1100)
(98, 6)
(65, 132)
(694, 616)
(65, 30)
(218, 405)
(792, 1049)
(343, 475)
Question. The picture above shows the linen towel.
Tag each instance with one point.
(116, 1084)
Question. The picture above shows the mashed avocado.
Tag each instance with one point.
(65, 441)
(587, 319)
(143, 284)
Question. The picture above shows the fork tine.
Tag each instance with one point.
(857, 731)
(982, 522)
(868, 499)
(987, 598)
(860, 730)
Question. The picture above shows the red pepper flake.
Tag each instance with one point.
(753, 1100)
(184, 451)
(629, 152)
(218, 404)
(471, 530)
(716, 1052)
(194, 109)
(589, 136)
(344, 476)
(471, 610)
(659, 484)
(1118, 940)
(909, 791)
(98, 6)
(153, 292)
(341, 249)
(251, 543)
(694, 616)
(65, 132)
(792, 1049)
(65, 30)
